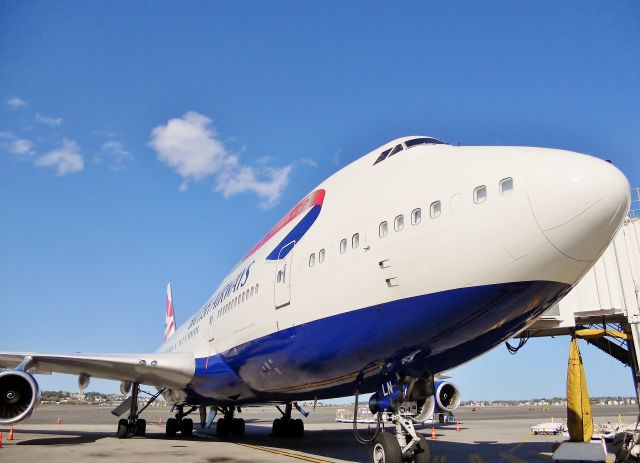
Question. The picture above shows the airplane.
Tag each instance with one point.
(415, 258)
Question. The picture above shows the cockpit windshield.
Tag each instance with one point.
(423, 141)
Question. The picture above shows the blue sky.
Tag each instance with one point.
(101, 204)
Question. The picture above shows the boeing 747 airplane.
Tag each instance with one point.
(414, 259)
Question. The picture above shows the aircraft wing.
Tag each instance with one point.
(170, 370)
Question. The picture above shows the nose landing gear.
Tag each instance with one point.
(397, 402)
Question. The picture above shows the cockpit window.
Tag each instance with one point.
(423, 141)
(395, 150)
(382, 156)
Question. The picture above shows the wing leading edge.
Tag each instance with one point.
(171, 370)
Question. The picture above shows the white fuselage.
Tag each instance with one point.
(550, 218)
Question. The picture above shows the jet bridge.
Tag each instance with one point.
(604, 307)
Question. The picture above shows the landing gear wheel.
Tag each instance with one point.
(186, 427)
(277, 427)
(422, 454)
(222, 428)
(237, 427)
(140, 428)
(297, 428)
(172, 427)
(123, 429)
(385, 449)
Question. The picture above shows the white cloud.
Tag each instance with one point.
(309, 162)
(50, 121)
(16, 103)
(66, 160)
(190, 146)
(115, 153)
(15, 145)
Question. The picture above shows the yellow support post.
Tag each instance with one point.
(579, 418)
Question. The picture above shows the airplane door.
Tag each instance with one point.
(211, 336)
(282, 288)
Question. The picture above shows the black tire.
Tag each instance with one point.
(171, 428)
(222, 428)
(140, 428)
(123, 429)
(237, 427)
(421, 453)
(298, 428)
(186, 427)
(385, 449)
(277, 427)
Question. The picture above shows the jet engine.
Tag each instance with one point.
(447, 396)
(19, 396)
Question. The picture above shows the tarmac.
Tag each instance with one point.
(87, 433)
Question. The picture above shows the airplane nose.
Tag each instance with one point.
(578, 201)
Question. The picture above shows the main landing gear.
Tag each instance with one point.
(286, 426)
(134, 425)
(180, 423)
(228, 425)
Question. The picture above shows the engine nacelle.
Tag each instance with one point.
(19, 396)
(447, 396)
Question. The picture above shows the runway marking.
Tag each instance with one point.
(274, 451)
(511, 458)
(284, 453)
(543, 456)
(475, 458)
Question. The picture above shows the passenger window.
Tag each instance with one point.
(251, 294)
(436, 209)
(395, 150)
(256, 288)
(321, 256)
(355, 240)
(382, 156)
(480, 194)
(383, 229)
(506, 186)
(279, 277)
(416, 216)
(343, 246)
(312, 260)
(242, 300)
(398, 223)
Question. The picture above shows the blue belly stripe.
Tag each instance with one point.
(321, 358)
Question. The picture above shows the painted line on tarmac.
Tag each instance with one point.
(284, 453)
(543, 456)
(511, 458)
(475, 458)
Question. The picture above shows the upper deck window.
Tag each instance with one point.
(423, 141)
(506, 186)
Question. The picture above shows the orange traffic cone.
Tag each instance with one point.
(433, 433)
(58, 421)
(10, 436)
(457, 426)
